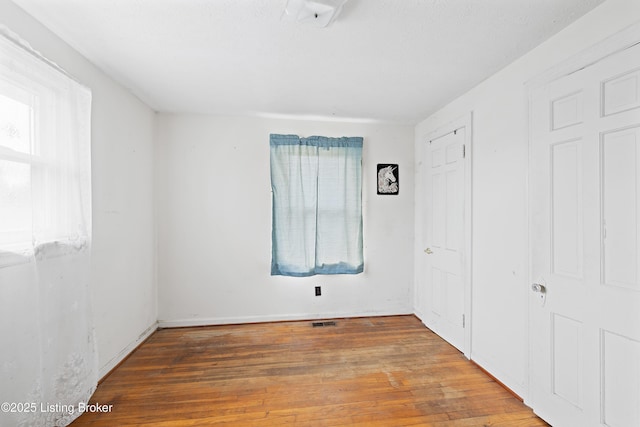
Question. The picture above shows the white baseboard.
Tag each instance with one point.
(517, 387)
(104, 370)
(210, 321)
(420, 315)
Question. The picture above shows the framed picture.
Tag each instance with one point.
(388, 178)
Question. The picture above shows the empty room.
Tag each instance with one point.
(320, 213)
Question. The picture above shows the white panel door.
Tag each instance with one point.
(585, 245)
(444, 243)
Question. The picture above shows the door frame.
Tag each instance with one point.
(465, 122)
(609, 46)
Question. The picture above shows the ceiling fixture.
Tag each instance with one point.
(319, 13)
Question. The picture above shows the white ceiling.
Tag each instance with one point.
(387, 60)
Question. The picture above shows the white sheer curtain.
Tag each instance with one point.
(48, 361)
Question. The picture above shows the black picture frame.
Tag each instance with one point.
(388, 179)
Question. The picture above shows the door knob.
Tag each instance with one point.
(428, 251)
(537, 287)
(541, 291)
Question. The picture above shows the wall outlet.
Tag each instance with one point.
(318, 291)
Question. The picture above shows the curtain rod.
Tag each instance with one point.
(24, 45)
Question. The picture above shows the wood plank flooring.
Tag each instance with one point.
(378, 371)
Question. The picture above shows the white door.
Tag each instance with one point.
(585, 237)
(444, 239)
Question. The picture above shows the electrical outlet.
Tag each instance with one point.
(318, 291)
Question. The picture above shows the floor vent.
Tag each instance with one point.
(321, 324)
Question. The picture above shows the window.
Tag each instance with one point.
(44, 155)
(317, 205)
(16, 160)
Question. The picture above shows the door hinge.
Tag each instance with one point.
(463, 321)
(464, 151)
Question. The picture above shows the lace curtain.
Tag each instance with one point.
(48, 361)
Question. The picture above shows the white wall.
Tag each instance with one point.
(500, 258)
(123, 270)
(214, 225)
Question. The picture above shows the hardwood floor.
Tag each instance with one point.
(378, 371)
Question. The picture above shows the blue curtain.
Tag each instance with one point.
(317, 205)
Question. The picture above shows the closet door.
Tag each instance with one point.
(444, 258)
(585, 234)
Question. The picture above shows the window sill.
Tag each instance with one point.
(22, 254)
(11, 257)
